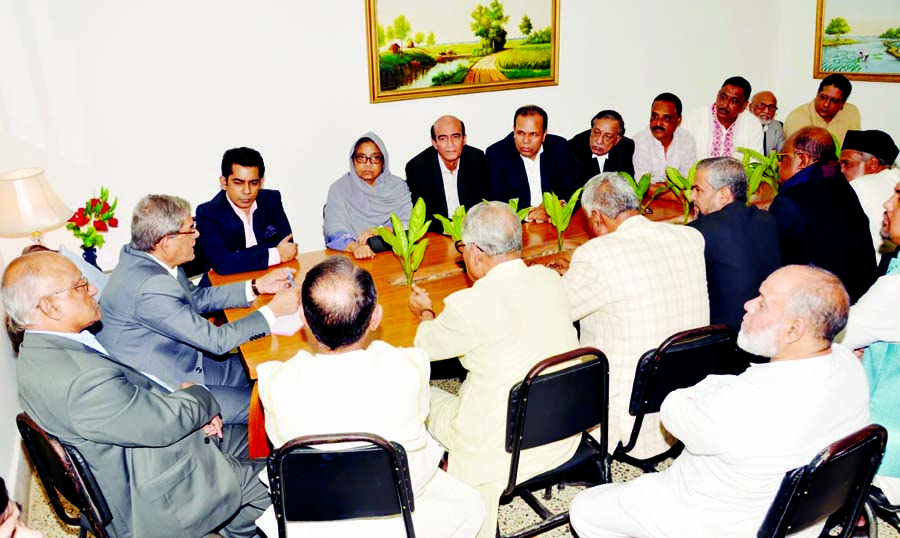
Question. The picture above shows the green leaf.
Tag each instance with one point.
(421, 231)
(417, 218)
(418, 254)
(445, 223)
(104, 193)
(390, 239)
(514, 204)
(644, 185)
(400, 233)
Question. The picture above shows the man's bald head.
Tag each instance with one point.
(25, 280)
(764, 105)
(817, 142)
(338, 301)
(448, 136)
(819, 297)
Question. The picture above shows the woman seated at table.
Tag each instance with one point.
(364, 199)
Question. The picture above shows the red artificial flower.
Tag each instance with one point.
(113, 222)
(79, 218)
(105, 208)
(100, 226)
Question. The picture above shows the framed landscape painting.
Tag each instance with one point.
(858, 38)
(427, 48)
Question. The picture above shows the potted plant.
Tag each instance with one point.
(640, 188)
(681, 186)
(521, 213)
(453, 227)
(96, 217)
(560, 216)
(760, 169)
(408, 244)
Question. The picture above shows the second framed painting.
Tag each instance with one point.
(860, 39)
(427, 48)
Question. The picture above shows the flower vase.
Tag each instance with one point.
(90, 255)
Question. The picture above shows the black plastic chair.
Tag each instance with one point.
(63, 471)
(835, 485)
(880, 506)
(682, 360)
(309, 484)
(554, 406)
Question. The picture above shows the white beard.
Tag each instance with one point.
(763, 343)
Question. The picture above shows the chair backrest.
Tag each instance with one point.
(544, 408)
(311, 484)
(682, 360)
(63, 471)
(834, 485)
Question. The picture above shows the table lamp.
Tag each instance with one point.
(28, 205)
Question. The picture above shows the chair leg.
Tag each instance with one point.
(869, 512)
(548, 493)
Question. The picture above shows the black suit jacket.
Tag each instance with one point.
(741, 250)
(619, 158)
(423, 177)
(222, 241)
(559, 172)
(820, 221)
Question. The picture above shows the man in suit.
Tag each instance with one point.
(153, 316)
(530, 162)
(244, 228)
(633, 285)
(741, 241)
(449, 174)
(513, 317)
(820, 220)
(764, 105)
(165, 463)
(604, 147)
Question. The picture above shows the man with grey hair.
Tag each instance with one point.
(511, 318)
(161, 456)
(742, 433)
(153, 315)
(741, 241)
(631, 287)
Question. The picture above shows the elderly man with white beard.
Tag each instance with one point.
(742, 433)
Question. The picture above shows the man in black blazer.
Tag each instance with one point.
(820, 219)
(552, 166)
(222, 222)
(605, 142)
(741, 241)
(449, 161)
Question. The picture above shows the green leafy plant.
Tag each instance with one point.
(681, 187)
(406, 244)
(521, 213)
(453, 227)
(640, 188)
(560, 215)
(98, 215)
(760, 169)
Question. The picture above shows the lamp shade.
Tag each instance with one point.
(28, 204)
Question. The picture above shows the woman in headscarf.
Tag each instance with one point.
(364, 199)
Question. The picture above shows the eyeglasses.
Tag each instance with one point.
(763, 106)
(80, 286)
(781, 156)
(460, 245)
(374, 159)
(192, 231)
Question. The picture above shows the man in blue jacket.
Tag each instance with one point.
(244, 227)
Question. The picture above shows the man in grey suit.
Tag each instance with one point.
(166, 465)
(764, 105)
(153, 316)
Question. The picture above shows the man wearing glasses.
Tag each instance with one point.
(829, 109)
(153, 315)
(764, 105)
(820, 220)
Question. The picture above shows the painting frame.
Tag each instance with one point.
(380, 94)
(819, 72)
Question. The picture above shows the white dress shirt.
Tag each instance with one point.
(450, 190)
(650, 156)
(249, 234)
(533, 171)
(873, 190)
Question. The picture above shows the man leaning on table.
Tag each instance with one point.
(153, 315)
(633, 285)
(511, 318)
(244, 227)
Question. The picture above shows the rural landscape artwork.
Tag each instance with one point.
(427, 48)
(859, 38)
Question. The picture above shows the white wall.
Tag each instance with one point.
(877, 101)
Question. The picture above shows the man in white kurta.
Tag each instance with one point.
(742, 433)
(349, 388)
(634, 285)
(726, 125)
(866, 159)
(509, 320)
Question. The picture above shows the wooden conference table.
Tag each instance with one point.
(441, 273)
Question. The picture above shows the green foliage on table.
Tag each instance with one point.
(521, 213)
(681, 187)
(640, 188)
(560, 215)
(760, 169)
(408, 244)
(453, 227)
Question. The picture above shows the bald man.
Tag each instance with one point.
(742, 433)
(764, 105)
(448, 174)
